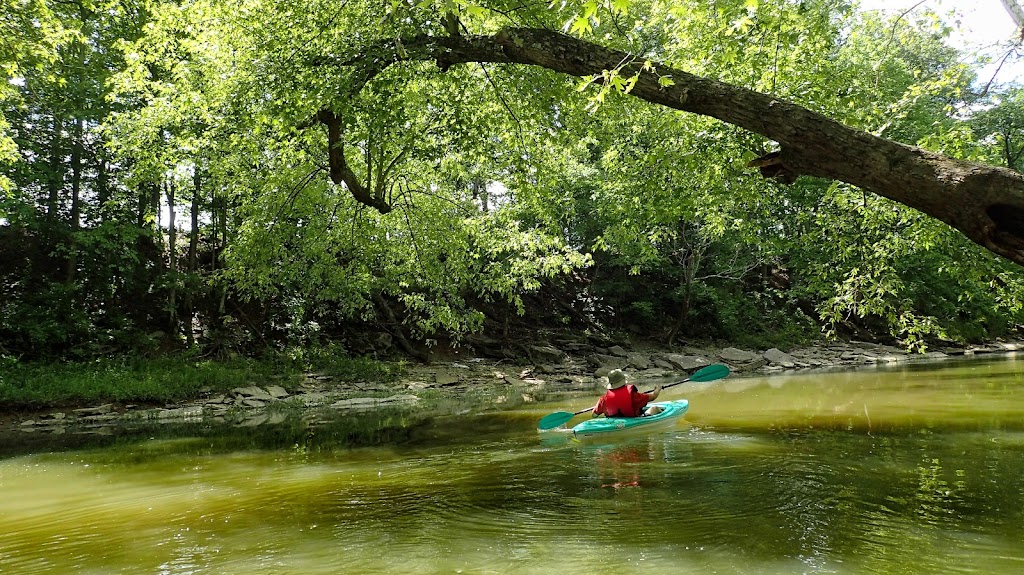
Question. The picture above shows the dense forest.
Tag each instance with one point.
(236, 177)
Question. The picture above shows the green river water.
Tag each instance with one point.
(914, 469)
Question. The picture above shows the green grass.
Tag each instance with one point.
(164, 380)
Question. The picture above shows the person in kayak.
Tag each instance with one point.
(622, 400)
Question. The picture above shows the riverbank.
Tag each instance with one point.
(538, 373)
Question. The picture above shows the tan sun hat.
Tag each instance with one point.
(616, 378)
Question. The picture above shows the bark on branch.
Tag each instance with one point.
(985, 203)
(339, 169)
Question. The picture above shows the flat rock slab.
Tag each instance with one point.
(778, 357)
(731, 354)
(686, 362)
(546, 353)
(277, 392)
(447, 378)
(253, 392)
(313, 399)
(604, 360)
(639, 361)
(98, 410)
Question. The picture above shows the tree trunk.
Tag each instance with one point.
(172, 251)
(140, 208)
(396, 325)
(154, 208)
(77, 147)
(690, 261)
(117, 278)
(218, 251)
(479, 186)
(102, 187)
(193, 257)
(985, 203)
(55, 179)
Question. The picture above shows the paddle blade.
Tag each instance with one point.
(553, 420)
(710, 373)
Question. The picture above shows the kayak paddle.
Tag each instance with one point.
(709, 373)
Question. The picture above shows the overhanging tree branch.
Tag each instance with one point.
(985, 203)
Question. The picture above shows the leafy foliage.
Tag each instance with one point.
(172, 180)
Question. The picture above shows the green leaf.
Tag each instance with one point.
(581, 26)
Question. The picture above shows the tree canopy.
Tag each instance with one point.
(737, 168)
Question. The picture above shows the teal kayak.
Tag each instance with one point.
(608, 427)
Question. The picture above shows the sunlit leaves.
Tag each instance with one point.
(30, 35)
(1000, 130)
(433, 145)
(572, 172)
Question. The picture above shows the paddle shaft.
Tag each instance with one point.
(673, 384)
(709, 373)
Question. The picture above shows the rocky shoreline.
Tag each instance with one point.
(537, 373)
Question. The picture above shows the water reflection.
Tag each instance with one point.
(887, 471)
(618, 467)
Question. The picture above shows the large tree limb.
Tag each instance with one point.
(1016, 11)
(985, 203)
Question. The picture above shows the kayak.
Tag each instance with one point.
(607, 427)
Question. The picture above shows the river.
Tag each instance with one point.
(911, 469)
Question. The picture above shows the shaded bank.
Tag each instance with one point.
(462, 382)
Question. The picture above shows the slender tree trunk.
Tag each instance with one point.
(147, 255)
(102, 187)
(219, 246)
(154, 207)
(480, 191)
(689, 277)
(193, 249)
(74, 222)
(140, 208)
(218, 221)
(172, 259)
(193, 244)
(55, 181)
(117, 279)
(135, 283)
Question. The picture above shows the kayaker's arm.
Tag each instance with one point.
(654, 394)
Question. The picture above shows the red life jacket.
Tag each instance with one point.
(623, 401)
